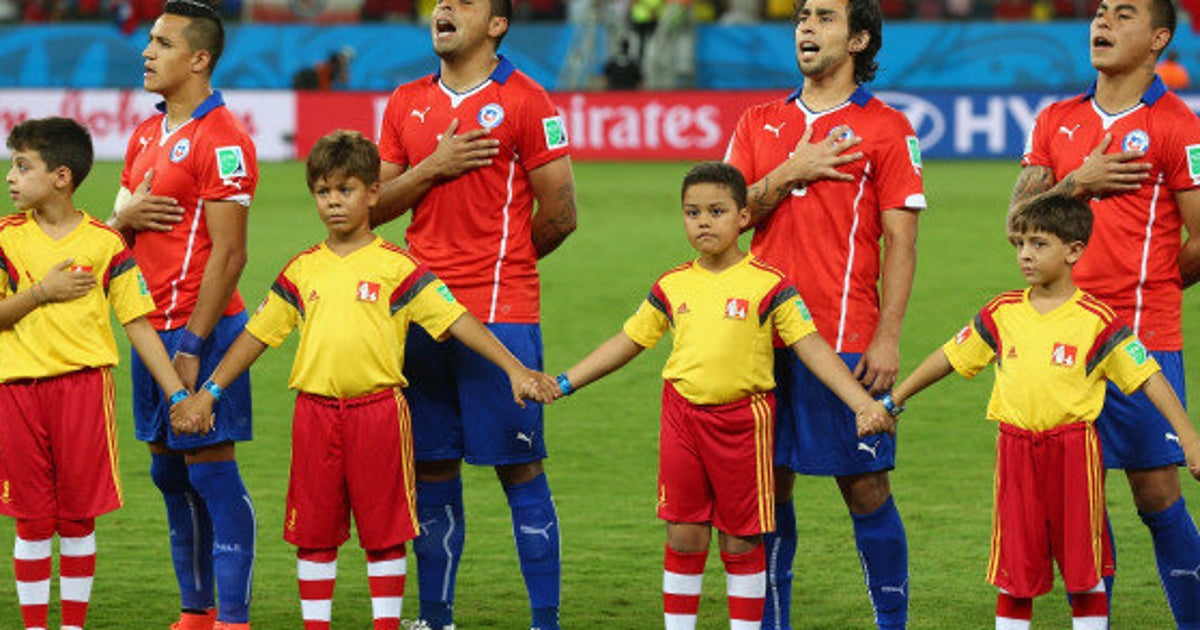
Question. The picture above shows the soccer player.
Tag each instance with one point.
(834, 170)
(353, 297)
(196, 153)
(714, 461)
(62, 270)
(1131, 147)
(469, 149)
(1054, 347)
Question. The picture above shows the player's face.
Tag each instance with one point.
(712, 219)
(30, 182)
(823, 41)
(345, 203)
(1044, 258)
(460, 27)
(170, 60)
(1122, 38)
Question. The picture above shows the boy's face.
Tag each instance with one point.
(1044, 257)
(712, 218)
(345, 203)
(31, 182)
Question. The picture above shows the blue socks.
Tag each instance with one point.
(234, 532)
(191, 531)
(883, 550)
(780, 547)
(535, 529)
(439, 547)
(1177, 549)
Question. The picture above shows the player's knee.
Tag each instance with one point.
(35, 528)
(1154, 490)
(169, 473)
(76, 528)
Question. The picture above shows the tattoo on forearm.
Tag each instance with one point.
(1031, 183)
(564, 220)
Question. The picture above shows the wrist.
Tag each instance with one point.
(890, 405)
(564, 384)
(189, 343)
(39, 294)
(178, 397)
(213, 389)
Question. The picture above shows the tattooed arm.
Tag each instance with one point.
(554, 187)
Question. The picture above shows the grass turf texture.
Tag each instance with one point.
(603, 440)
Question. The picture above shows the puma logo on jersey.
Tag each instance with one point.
(421, 114)
(1187, 573)
(773, 129)
(524, 437)
(901, 590)
(544, 531)
(1070, 132)
(863, 446)
(1171, 437)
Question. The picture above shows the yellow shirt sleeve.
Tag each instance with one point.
(1129, 364)
(647, 325)
(127, 290)
(791, 317)
(278, 316)
(435, 308)
(968, 352)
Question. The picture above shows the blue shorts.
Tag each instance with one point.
(1133, 434)
(152, 414)
(462, 406)
(815, 432)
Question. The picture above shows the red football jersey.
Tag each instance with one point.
(1131, 262)
(208, 158)
(474, 230)
(825, 237)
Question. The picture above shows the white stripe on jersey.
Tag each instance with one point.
(187, 261)
(512, 170)
(862, 185)
(1137, 307)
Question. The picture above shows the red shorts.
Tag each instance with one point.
(1049, 505)
(58, 446)
(715, 463)
(351, 456)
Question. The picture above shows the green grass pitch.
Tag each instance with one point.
(603, 440)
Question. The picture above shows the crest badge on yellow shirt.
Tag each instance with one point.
(1063, 355)
(368, 291)
(735, 308)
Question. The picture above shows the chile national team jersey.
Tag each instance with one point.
(825, 236)
(208, 158)
(1131, 262)
(474, 230)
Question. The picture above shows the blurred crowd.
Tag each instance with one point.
(130, 12)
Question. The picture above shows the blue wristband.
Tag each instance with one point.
(179, 397)
(189, 343)
(564, 384)
(213, 389)
(890, 405)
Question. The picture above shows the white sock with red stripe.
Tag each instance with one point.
(1089, 611)
(1013, 613)
(386, 570)
(682, 579)
(746, 586)
(76, 570)
(31, 567)
(316, 570)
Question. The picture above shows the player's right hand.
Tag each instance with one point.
(874, 418)
(458, 153)
(1108, 173)
(64, 282)
(191, 416)
(147, 212)
(813, 161)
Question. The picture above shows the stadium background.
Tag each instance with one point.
(971, 89)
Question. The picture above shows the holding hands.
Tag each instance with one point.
(874, 418)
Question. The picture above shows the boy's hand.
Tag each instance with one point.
(532, 385)
(1191, 451)
(873, 419)
(193, 415)
(62, 283)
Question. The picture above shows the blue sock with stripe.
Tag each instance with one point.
(190, 531)
(535, 529)
(780, 547)
(234, 535)
(883, 550)
(439, 547)
(1177, 549)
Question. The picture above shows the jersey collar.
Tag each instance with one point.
(860, 97)
(1156, 91)
(213, 101)
(503, 71)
